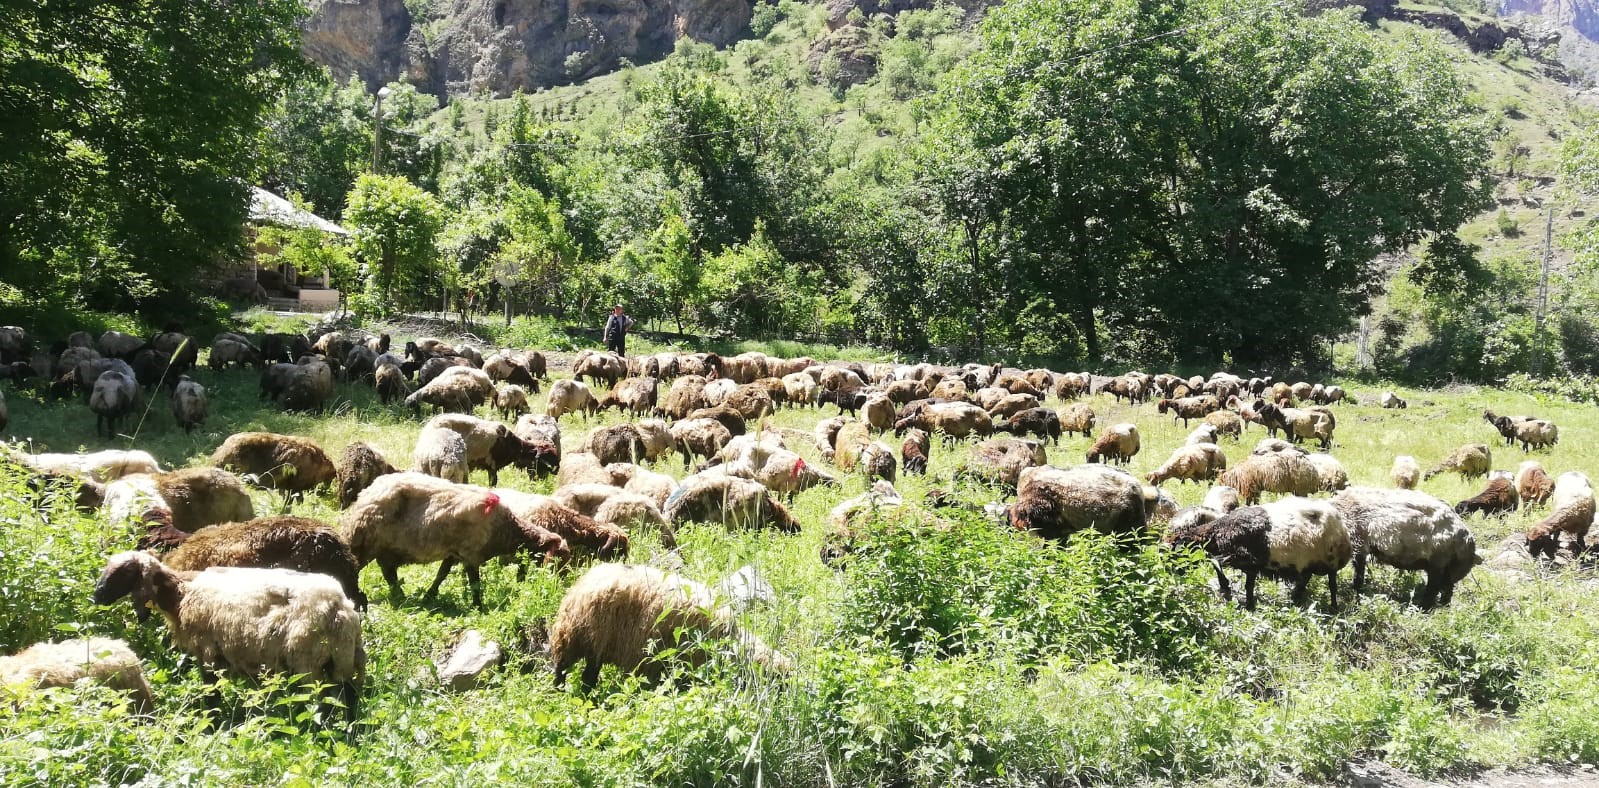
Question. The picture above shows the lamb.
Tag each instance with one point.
(281, 462)
(115, 396)
(282, 542)
(360, 465)
(570, 396)
(571, 530)
(188, 404)
(619, 443)
(412, 518)
(1188, 408)
(636, 395)
(390, 382)
(68, 662)
(913, 453)
(1470, 461)
(607, 504)
(1057, 503)
(699, 437)
(1041, 422)
(1571, 511)
(250, 621)
(1285, 474)
(510, 401)
(440, 452)
(1294, 539)
(458, 389)
(1117, 444)
(1391, 400)
(1297, 423)
(1330, 471)
(1408, 530)
(729, 500)
(1199, 462)
(1405, 472)
(491, 446)
(1077, 418)
(952, 419)
(621, 615)
(99, 466)
(186, 500)
(1533, 484)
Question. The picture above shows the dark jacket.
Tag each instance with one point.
(616, 326)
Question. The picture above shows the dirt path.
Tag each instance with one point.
(1380, 775)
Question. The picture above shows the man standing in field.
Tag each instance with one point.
(616, 327)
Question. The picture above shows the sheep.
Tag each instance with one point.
(360, 465)
(1188, 408)
(440, 452)
(1199, 462)
(1001, 461)
(1077, 418)
(854, 448)
(839, 379)
(251, 621)
(903, 391)
(599, 366)
(1226, 422)
(1535, 434)
(1408, 530)
(913, 453)
(570, 396)
(1295, 539)
(390, 382)
(571, 530)
(620, 615)
(66, 663)
(115, 344)
(1204, 433)
(701, 437)
(1012, 404)
(729, 500)
(412, 518)
(655, 486)
(607, 504)
(657, 437)
(1129, 388)
(1221, 498)
(507, 366)
(1042, 422)
(539, 428)
(510, 401)
(951, 390)
(226, 352)
(458, 389)
(800, 389)
(636, 395)
(1571, 511)
(686, 395)
(825, 433)
(188, 499)
(359, 362)
(491, 446)
(1057, 503)
(1533, 485)
(151, 367)
(1117, 444)
(115, 395)
(188, 404)
(1275, 446)
(1405, 472)
(878, 412)
(1330, 471)
(1297, 423)
(282, 542)
(1498, 498)
(99, 466)
(619, 443)
(434, 368)
(785, 472)
(951, 419)
(1285, 474)
(581, 467)
(1470, 461)
(281, 462)
(1391, 400)
(1070, 386)
(14, 344)
(752, 401)
(308, 386)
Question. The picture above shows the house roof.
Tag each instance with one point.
(268, 208)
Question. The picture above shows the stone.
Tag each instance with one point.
(745, 588)
(468, 660)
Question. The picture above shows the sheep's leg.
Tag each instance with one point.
(474, 584)
(1249, 590)
(1222, 585)
(1301, 588)
(494, 476)
(444, 571)
(391, 573)
(1360, 572)
(591, 674)
(1332, 590)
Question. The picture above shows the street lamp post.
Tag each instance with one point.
(377, 131)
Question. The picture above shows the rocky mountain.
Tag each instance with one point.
(1576, 21)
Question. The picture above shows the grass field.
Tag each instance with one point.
(965, 654)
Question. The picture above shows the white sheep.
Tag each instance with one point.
(570, 396)
(1406, 472)
(440, 452)
(1330, 471)
(457, 388)
(510, 400)
(66, 663)
(1197, 462)
(1408, 530)
(99, 466)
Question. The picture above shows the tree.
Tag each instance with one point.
(394, 227)
(319, 139)
(129, 137)
(1239, 155)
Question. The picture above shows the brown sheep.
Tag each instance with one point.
(510, 401)
(635, 395)
(1057, 503)
(1499, 498)
(603, 541)
(390, 382)
(619, 443)
(66, 663)
(1001, 461)
(570, 396)
(491, 446)
(1119, 443)
(1533, 485)
(1226, 422)
(1470, 461)
(1199, 462)
(1188, 408)
(1289, 473)
(360, 465)
(458, 389)
(1405, 473)
(1077, 418)
(751, 401)
(1571, 512)
(598, 367)
(952, 419)
(914, 452)
(723, 414)
(728, 500)
(700, 437)
(281, 462)
(282, 542)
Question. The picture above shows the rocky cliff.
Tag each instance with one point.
(1577, 22)
(500, 46)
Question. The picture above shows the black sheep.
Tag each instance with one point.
(283, 542)
(1043, 422)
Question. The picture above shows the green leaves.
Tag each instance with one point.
(394, 229)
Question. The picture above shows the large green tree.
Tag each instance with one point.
(395, 228)
(1220, 187)
(129, 132)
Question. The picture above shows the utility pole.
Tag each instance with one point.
(1543, 290)
(377, 131)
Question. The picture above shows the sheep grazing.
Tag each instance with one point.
(187, 500)
(390, 382)
(618, 443)
(1226, 422)
(508, 366)
(1127, 387)
(1281, 473)
(657, 437)
(1293, 539)
(570, 530)
(655, 486)
(64, 664)
(570, 396)
(1041, 422)
(635, 395)
(1330, 471)
(1533, 484)
(510, 401)
(1531, 433)
(491, 446)
(1077, 418)
(1391, 400)
(1411, 531)
(188, 404)
(440, 452)
(854, 448)
(1470, 461)
(539, 428)
(1498, 498)
(878, 412)
(1297, 423)
(800, 389)
(723, 414)
(1275, 446)
(622, 615)
(848, 401)
(1057, 503)
(1001, 461)
(686, 395)
(1571, 512)
(115, 395)
(306, 385)
(231, 352)
(360, 465)
(1117, 444)
(1199, 462)
(729, 501)
(1011, 405)
(913, 453)
(283, 542)
(99, 466)
(699, 437)
(1406, 472)
(607, 504)
(751, 401)
(1188, 408)
(1221, 498)
(251, 621)
(280, 462)
(953, 420)
(597, 367)
(412, 518)
(458, 389)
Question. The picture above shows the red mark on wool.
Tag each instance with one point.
(799, 466)
(489, 502)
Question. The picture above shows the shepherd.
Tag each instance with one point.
(616, 327)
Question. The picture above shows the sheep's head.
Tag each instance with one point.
(140, 575)
(1034, 513)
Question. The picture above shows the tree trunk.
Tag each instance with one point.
(1090, 328)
